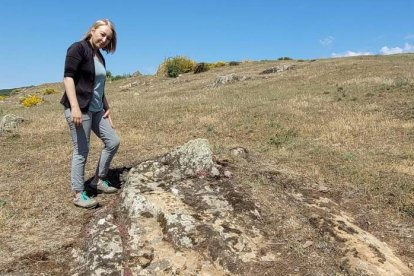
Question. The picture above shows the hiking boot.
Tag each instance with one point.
(84, 201)
(103, 186)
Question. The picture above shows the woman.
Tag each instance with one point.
(86, 108)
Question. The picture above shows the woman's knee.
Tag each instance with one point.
(114, 143)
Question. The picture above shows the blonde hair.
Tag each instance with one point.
(111, 47)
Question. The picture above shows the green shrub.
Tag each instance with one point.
(2, 97)
(110, 77)
(173, 67)
(201, 67)
(284, 58)
(31, 100)
(49, 91)
(120, 77)
(234, 63)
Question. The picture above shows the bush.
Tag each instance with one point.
(110, 77)
(2, 97)
(201, 67)
(218, 64)
(49, 91)
(120, 77)
(173, 67)
(31, 100)
(234, 63)
(284, 58)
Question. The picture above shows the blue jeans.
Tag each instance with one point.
(81, 135)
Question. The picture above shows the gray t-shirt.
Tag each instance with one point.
(96, 103)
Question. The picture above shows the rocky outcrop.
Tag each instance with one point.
(227, 79)
(128, 85)
(181, 214)
(10, 123)
(278, 69)
(364, 254)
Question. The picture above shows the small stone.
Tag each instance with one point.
(307, 244)
(239, 151)
(323, 189)
(268, 258)
(314, 255)
(227, 174)
(215, 172)
(175, 191)
(410, 265)
(144, 261)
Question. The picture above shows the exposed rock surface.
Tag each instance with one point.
(277, 69)
(180, 214)
(128, 85)
(223, 80)
(178, 220)
(9, 123)
(364, 254)
(104, 255)
(240, 152)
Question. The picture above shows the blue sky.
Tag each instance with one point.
(36, 34)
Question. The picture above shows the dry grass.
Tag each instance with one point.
(344, 122)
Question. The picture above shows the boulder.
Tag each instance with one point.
(277, 69)
(10, 122)
(223, 80)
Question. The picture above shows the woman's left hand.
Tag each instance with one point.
(108, 116)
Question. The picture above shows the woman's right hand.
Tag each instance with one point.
(76, 115)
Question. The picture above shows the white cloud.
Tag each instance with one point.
(327, 41)
(389, 51)
(351, 54)
(408, 48)
(409, 37)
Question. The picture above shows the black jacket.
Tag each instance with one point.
(80, 66)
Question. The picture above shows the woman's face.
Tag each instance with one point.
(101, 36)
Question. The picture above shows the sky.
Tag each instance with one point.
(36, 34)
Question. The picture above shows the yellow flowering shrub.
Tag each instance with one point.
(173, 67)
(2, 97)
(31, 100)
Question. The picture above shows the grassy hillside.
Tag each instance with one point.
(5, 92)
(342, 124)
